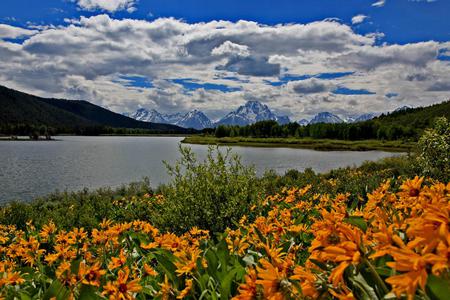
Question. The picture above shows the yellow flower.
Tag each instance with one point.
(186, 290)
(248, 290)
(90, 275)
(11, 278)
(117, 262)
(122, 288)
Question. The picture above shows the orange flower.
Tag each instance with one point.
(186, 290)
(117, 262)
(411, 188)
(415, 266)
(47, 230)
(11, 278)
(122, 288)
(274, 282)
(248, 290)
(150, 271)
(90, 275)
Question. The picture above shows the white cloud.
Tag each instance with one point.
(358, 19)
(229, 48)
(379, 3)
(312, 86)
(8, 31)
(107, 5)
(85, 58)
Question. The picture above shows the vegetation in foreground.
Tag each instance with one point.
(304, 143)
(364, 233)
(299, 245)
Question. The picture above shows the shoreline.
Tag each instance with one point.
(312, 144)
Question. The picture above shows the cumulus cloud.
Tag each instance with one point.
(312, 86)
(12, 32)
(439, 86)
(229, 48)
(239, 60)
(358, 19)
(370, 57)
(107, 5)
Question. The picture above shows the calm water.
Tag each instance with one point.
(31, 169)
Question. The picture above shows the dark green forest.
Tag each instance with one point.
(407, 124)
(24, 114)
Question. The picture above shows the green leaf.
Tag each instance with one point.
(358, 222)
(58, 290)
(167, 265)
(319, 264)
(439, 288)
(24, 296)
(367, 292)
(260, 235)
(88, 292)
(225, 284)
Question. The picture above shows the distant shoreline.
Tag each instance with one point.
(55, 137)
(304, 143)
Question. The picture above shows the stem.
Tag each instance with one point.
(376, 275)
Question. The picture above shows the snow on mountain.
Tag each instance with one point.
(303, 122)
(251, 112)
(282, 120)
(326, 117)
(195, 119)
(145, 115)
(404, 107)
(173, 118)
(365, 117)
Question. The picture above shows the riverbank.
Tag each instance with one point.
(25, 139)
(304, 143)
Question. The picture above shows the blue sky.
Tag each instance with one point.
(402, 21)
(298, 56)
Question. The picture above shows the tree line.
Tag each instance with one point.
(373, 129)
(23, 129)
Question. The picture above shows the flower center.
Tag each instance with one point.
(414, 193)
(123, 288)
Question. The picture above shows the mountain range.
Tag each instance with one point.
(249, 113)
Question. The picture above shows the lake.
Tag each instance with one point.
(30, 169)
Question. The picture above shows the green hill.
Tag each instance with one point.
(419, 118)
(21, 109)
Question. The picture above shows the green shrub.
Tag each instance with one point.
(211, 194)
(434, 145)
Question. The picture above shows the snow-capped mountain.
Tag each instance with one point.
(145, 115)
(303, 122)
(251, 112)
(404, 107)
(365, 117)
(195, 119)
(359, 118)
(173, 118)
(282, 120)
(326, 117)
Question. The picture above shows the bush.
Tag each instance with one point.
(434, 148)
(211, 194)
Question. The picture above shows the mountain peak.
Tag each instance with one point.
(195, 119)
(326, 117)
(251, 112)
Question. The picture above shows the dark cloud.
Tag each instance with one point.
(252, 66)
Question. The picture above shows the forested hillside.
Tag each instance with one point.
(21, 112)
(406, 124)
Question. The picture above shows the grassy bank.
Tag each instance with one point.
(303, 143)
